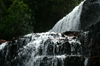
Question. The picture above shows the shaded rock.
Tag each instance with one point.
(74, 61)
(90, 13)
(94, 61)
(2, 41)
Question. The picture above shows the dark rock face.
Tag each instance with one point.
(90, 13)
(91, 44)
(91, 40)
(94, 61)
(74, 61)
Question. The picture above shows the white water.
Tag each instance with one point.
(86, 61)
(41, 47)
(70, 22)
(43, 41)
(3, 45)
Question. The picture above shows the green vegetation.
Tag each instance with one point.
(20, 17)
(17, 22)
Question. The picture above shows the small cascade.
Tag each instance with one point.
(70, 22)
(86, 61)
(3, 45)
(43, 49)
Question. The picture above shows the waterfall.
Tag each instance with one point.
(48, 49)
(42, 49)
(70, 22)
(54, 49)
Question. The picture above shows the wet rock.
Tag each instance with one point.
(71, 33)
(74, 61)
(90, 40)
(90, 13)
(3, 41)
(94, 61)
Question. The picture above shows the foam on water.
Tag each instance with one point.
(46, 46)
(3, 45)
(86, 61)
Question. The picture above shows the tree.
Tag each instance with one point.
(18, 17)
(18, 21)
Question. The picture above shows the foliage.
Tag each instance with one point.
(17, 22)
(19, 17)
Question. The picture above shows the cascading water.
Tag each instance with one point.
(54, 49)
(43, 49)
(70, 22)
